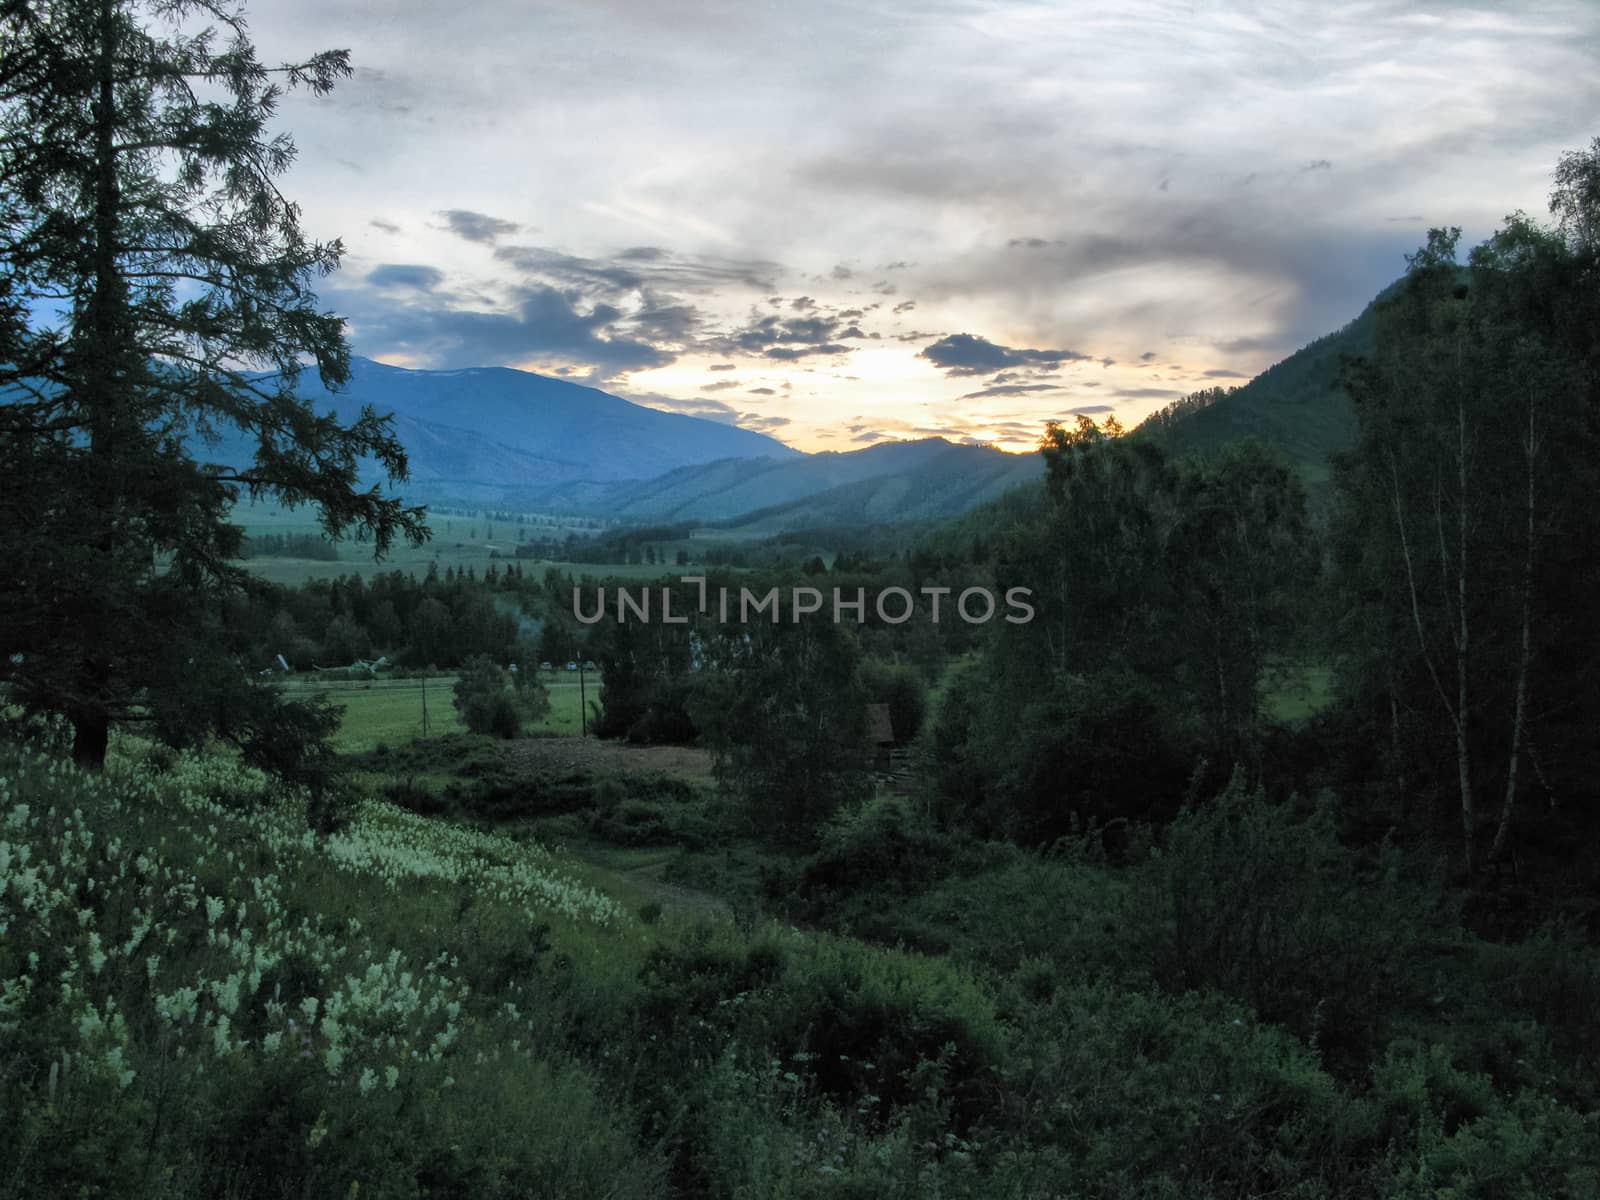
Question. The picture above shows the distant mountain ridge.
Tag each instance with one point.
(508, 428)
(1296, 405)
(500, 438)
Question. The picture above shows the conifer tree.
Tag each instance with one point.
(158, 298)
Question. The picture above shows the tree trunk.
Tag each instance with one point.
(1519, 716)
(91, 732)
(1463, 749)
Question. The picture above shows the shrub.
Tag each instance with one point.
(480, 696)
(1263, 903)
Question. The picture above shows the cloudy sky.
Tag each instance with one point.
(841, 223)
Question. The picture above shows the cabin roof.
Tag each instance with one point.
(880, 728)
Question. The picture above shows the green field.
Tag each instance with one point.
(390, 711)
(457, 542)
(414, 561)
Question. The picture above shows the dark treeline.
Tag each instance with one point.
(289, 545)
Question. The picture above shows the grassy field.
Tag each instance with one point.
(457, 542)
(1302, 691)
(414, 561)
(390, 711)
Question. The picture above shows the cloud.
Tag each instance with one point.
(1221, 373)
(967, 354)
(787, 338)
(476, 226)
(694, 406)
(642, 268)
(763, 391)
(388, 227)
(1148, 393)
(1010, 389)
(405, 275)
(762, 424)
(544, 325)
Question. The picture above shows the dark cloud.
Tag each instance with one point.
(694, 406)
(476, 226)
(406, 275)
(658, 320)
(1087, 410)
(720, 385)
(788, 338)
(790, 353)
(1148, 393)
(761, 424)
(842, 272)
(802, 304)
(1220, 373)
(1010, 389)
(386, 226)
(905, 306)
(1147, 356)
(1027, 243)
(763, 391)
(723, 367)
(546, 323)
(967, 354)
(644, 267)
(1319, 164)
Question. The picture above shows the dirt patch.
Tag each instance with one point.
(593, 754)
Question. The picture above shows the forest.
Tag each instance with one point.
(1258, 863)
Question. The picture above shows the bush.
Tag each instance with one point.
(480, 696)
(1263, 903)
(879, 844)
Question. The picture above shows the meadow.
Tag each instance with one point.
(458, 542)
(199, 997)
(391, 710)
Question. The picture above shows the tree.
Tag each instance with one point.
(168, 288)
(480, 696)
(1462, 504)
(783, 711)
(532, 695)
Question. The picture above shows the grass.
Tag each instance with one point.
(457, 542)
(1302, 691)
(390, 711)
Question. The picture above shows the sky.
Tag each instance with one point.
(845, 223)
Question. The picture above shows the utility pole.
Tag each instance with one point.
(424, 704)
(583, 703)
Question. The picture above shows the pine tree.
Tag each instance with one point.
(158, 296)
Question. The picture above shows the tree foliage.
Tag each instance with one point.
(159, 293)
(1464, 514)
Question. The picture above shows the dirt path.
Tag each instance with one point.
(593, 754)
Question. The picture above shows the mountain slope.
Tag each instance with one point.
(944, 481)
(719, 491)
(1295, 405)
(496, 427)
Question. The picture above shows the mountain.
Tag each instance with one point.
(495, 428)
(940, 480)
(500, 438)
(1295, 405)
(887, 482)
